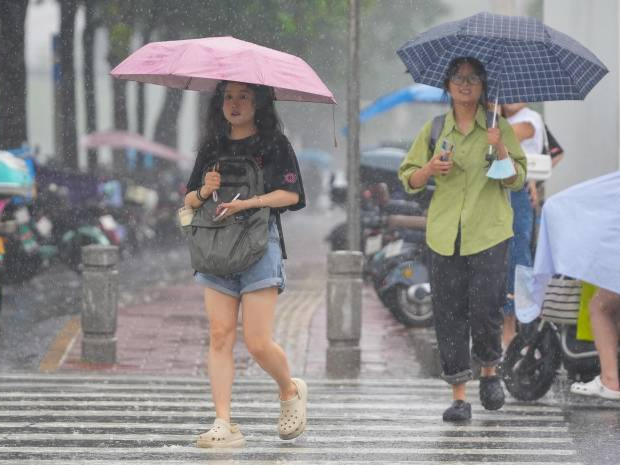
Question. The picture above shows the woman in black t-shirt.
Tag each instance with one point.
(242, 121)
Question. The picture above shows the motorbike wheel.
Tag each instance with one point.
(412, 311)
(531, 364)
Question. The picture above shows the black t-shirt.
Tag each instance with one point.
(274, 155)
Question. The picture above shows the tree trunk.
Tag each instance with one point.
(141, 106)
(66, 103)
(166, 129)
(141, 103)
(119, 38)
(13, 114)
(119, 92)
(88, 41)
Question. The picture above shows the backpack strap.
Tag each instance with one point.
(281, 234)
(436, 128)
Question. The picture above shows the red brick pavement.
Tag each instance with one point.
(164, 329)
(166, 335)
(384, 342)
(169, 335)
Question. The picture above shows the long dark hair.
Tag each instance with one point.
(265, 116)
(479, 70)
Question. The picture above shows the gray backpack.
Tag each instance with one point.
(237, 242)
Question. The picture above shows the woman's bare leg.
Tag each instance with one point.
(604, 314)
(222, 311)
(258, 315)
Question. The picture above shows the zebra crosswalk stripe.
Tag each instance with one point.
(86, 419)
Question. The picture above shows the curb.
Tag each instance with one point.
(61, 346)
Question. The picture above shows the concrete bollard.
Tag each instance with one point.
(344, 313)
(100, 298)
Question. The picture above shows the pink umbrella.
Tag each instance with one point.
(198, 64)
(131, 140)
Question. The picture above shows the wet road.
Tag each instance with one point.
(71, 419)
(82, 418)
(34, 312)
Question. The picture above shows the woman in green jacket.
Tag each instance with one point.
(469, 224)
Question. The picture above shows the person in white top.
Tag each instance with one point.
(529, 128)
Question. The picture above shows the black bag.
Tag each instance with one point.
(233, 244)
(553, 148)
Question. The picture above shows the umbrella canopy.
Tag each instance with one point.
(383, 158)
(199, 64)
(315, 157)
(526, 61)
(416, 93)
(130, 140)
(15, 178)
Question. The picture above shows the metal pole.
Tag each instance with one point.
(344, 268)
(353, 122)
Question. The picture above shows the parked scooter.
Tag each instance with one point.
(22, 259)
(400, 272)
(539, 350)
(63, 230)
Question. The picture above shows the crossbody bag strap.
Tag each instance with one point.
(281, 234)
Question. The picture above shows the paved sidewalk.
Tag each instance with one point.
(163, 329)
(169, 335)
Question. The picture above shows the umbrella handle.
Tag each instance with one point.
(216, 168)
(494, 122)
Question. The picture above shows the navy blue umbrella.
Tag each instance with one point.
(526, 61)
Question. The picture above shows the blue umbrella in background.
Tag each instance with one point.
(416, 93)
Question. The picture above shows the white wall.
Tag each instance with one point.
(588, 130)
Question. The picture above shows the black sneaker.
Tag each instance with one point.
(491, 393)
(458, 411)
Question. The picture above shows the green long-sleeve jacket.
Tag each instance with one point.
(466, 197)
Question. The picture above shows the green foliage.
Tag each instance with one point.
(386, 25)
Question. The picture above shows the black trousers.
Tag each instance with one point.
(468, 293)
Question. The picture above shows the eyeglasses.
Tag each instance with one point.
(471, 79)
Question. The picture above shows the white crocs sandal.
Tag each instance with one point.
(221, 434)
(293, 412)
(595, 388)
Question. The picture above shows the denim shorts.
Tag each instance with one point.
(265, 273)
